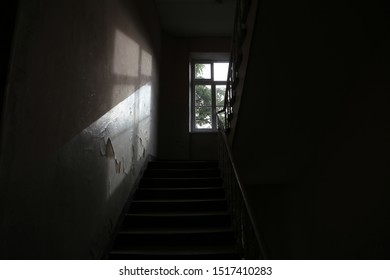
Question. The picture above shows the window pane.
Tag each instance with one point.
(202, 95)
(220, 94)
(220, 71)
(203, 117)
(203, 71)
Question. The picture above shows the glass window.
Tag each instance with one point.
(203, 96)
(203, 117)
(202, 71)
(208, 93)
(220, 71)
(220, 94)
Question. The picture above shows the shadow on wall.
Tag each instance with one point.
(82, 132)
(115, 146)
(125, 129)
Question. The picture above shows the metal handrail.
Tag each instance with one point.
(239, 203)
(242, 8)
(236, 194)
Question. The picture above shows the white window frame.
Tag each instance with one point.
(213, 84)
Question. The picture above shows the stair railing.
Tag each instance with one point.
(248, 236)
(236, 57)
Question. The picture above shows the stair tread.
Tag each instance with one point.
(187, 230)
(165, 213)
(155, 165)
(179, 211)
(182, 214)
(180, 200)
(153, 193)
(182, 179)
(187, 169)
(180, 188)
(183, 161)
(177, 250)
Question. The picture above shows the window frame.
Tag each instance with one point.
(213, 84)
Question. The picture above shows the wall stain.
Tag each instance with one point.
(118, 166)
(123, 166)
(110, 153)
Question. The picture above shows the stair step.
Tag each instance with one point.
(169, 231)
(130, 239)
(179, 193)
(179, 211)
(182, 164)
(180, 182)
(183, 220)
(221, 252)
(181, 173)
(174, 206)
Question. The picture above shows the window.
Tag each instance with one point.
(207, 93)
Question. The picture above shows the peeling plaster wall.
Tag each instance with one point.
(79, 124)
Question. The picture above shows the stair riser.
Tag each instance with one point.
(160, 207)
(132, 222)
(179, 212)
(129, 240)
(182, 165)
(183, 182)
(233, 256)
(143, 194)
(181, 173)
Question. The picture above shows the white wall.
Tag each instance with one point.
(79, 123)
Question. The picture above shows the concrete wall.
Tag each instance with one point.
(79, 123)
(175, 140)
(312, 138)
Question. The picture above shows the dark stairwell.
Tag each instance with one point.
(179, 211)
(192, 209)
(307, 116)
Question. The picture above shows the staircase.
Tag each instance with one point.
(179, 212)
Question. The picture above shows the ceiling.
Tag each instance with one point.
(197, 18)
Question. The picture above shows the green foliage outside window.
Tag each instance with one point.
(203, 100)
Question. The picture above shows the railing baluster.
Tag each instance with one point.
(248, 238)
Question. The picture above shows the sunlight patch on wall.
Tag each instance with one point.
(144, 104)
(126, 55)
(125, 130)
(146, 63)
(121, 90)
